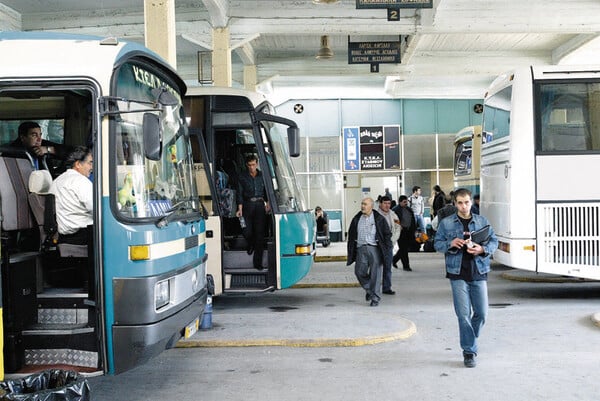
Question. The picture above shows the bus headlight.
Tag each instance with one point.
(162, 294)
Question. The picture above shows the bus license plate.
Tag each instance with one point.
(192, 328)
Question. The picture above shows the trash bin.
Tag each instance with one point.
(49, 385)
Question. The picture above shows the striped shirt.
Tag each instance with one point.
(366, 230)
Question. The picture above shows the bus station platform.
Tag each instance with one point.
(248, 319)
(327, 307)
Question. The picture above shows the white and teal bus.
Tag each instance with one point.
(233, 124)
(467, 156)
(140, 284)
(540, 154)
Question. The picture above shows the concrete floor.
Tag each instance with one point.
(539, 344)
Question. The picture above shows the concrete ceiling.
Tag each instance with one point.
(453, 50)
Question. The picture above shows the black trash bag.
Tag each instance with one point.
(49, 385)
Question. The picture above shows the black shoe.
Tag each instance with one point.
(395, 265)
(250, 250)
(374, 303)
(367, 297)
(389, 292)
(407, 269)
(260, 268)
(469, 360)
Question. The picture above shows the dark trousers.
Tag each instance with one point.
(403, 244)
(254, 213)
(387, 270)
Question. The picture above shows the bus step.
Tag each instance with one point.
(64, 356)
(54, 344)
(241, 260)
(63, 308)
(248, 280)
(57, 329)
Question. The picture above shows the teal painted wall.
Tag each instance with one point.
(415, 116)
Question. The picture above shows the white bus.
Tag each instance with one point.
(540, 155)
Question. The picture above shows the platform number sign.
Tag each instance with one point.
(298, 108)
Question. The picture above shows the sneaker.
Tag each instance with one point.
(389, 292)
(367, 297)
(407, 269)
(374, 303)
(469, 360)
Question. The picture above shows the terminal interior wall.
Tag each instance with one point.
(427, 128)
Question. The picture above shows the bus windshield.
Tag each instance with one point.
(463, 157)
(150, 188)
(287, 191)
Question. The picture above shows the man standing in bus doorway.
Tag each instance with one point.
(369, 239)
(417, 205)
(467, 267)
(394, 223)
(252, 205)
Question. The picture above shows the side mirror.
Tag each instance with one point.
(152, 136)
(294, 141)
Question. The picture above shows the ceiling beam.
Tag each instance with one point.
(218, 10)
(571, 46)
(10, 20)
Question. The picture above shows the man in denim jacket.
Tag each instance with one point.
(467, 266)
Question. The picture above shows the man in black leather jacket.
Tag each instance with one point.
(369, 238)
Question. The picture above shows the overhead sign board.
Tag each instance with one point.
(394, 4)
(373, 52)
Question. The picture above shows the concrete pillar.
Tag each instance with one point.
(250, 79)
(221, 57)
(159, 28)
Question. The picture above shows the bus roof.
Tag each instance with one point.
(544, 72)
(467, 133)
(256, 98)
(56, 55)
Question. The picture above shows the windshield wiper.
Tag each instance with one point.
(173, 212)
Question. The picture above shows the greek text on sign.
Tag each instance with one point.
(373, 52)
(394, 4)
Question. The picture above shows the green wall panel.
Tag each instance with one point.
(419, 116)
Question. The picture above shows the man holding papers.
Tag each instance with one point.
(467, 266)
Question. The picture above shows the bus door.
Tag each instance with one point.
(51, 309)
(207, 186)
(231, 147)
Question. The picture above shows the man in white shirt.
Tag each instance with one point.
(417, 205)
(73, 192)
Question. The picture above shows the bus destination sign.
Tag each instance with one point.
(394, 4)
(373, 52)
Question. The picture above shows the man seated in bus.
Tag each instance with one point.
(30, 139)
(73, 192)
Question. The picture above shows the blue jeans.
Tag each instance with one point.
(471, 307)
(420, 221)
